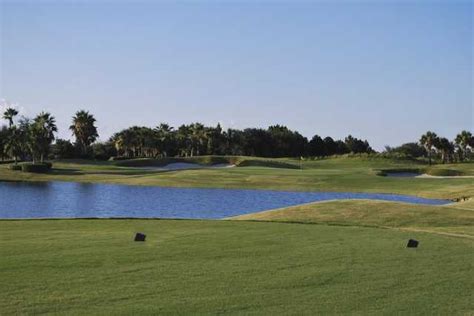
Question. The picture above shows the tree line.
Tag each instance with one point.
(34, 139)
(432, 146)
(196, 139)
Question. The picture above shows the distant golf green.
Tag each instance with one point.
(333, 257)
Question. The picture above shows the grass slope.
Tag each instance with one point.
(238, 161)
(336, 174)
(440, 219)
(93, 267)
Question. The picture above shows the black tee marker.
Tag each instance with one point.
(140, 237)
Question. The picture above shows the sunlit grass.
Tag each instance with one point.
(78, 267)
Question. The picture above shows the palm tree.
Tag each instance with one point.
(428, 141)
(199, 135)
(117, 140)
(42, 134)
(3, 139)
(446, 148)
(164, 133)
(84, 130)
(463, 140)
(183, 136)
(12, 146)
(9, 114)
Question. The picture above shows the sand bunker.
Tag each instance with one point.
(444, 177)
(424, 175)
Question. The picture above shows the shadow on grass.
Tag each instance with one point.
(124, 172)
(66, 172)
(72, 172)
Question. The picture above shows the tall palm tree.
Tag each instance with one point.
(164, 133)
(199, 135)
(9, 114)
(446, 148)
(183, 136)
(12, 146)
(463, 140)
(3, 139)
(428, 141)
(117, 140)
(84, 130)
(42, 134)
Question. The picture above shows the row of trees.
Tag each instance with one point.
(431, 145)
(28, 138)
(197, 139)
(33, 139)
(447, 149)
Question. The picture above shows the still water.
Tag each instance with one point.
(71, 199)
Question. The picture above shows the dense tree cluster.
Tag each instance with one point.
(33, 140)
(28, 139)
(408, 150)
(196, 139)
(431, 145)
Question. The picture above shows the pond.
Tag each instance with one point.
(72, 200)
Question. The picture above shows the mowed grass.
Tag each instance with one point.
(447, 220)
(335, 174)
(92, 267)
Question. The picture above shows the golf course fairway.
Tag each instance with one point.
(198, 267)
(334, 257)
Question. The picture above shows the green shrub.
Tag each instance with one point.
(37, 167)
(15, 167)
(6, 162)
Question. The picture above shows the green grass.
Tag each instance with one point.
(336, 174)
(323, 258)
(92, 267)
(382, 214)
(238, 161)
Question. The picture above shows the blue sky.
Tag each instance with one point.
(382, 71)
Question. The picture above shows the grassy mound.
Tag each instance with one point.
(267, 163)
(444, 219)
(239, 161)
(386, 172)
(212, 267)
(161, 162)
(444, 172)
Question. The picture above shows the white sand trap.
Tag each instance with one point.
(423, 176)
(222, 165)
(427, 176)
